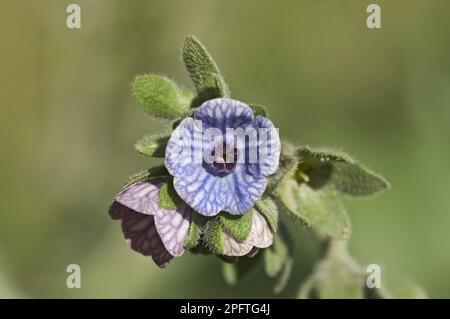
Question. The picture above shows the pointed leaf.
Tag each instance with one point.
(195, 230)
(269, 210)
(146, 174)
(258, 110)
(334, 167)
(204, 72)
(356, 180)
(213, 237)
(177, 122)
(152, 145)
(160, 97)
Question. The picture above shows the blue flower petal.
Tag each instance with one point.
(244, 190)
(201, 190)
(254, 169)
(223, 113)
(269, 146)
(184, 148)
(207, 188)
(208, 194)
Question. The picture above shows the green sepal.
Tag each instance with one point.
(146, 174)
(212, 237)
(168, 197)
(160, 97)
(177, 122)
(237, 226)
(258, 110)
(268, 208)
(336, 168)
(153, 145)
(203, 71)
(196, 229)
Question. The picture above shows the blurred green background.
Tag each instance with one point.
(68, 124)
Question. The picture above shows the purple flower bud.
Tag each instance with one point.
(148, 228)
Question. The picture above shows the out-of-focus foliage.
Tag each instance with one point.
(69, 120)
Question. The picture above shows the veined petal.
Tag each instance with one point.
(263, 236)
(173, 228)
(139, 197)
(223, 113)
(231, 247)
(241, 190)
(140, 232)
(202, 191)
(260, 236)
(269, 146)
(208, 194)
(150, 229)
(184, 148)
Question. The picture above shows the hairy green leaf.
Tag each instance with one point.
(320, 208)
(152, 145)
(212, 236)
(160, 97)
(195, 230)
(204, 72)
(177, 122)
(356, 180)
(146, 174)
(334, 167)
(168, 197)
(269, 210)
(237, 226)
(258, 110)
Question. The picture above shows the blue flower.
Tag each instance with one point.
(220, 158)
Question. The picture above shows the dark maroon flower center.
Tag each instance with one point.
(222, 164)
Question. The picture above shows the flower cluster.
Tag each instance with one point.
(225, 178)
(204, 188)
